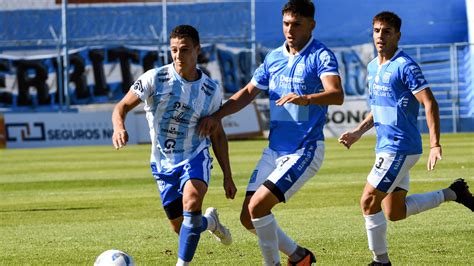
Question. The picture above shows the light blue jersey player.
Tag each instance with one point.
(396, 89)
(301, 78)
(176, 96)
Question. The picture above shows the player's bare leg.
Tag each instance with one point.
(176, 224)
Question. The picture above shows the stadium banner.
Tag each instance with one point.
(32, 130)
(346, 117)
(103, 74)
(3, 142)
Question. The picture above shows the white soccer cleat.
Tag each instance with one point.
(221, 233)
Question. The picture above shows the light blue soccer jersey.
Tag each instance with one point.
(173, 108)
(293, 126)
(392, 87)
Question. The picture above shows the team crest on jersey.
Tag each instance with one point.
(299, 69)
(325, 58)
(386, 77)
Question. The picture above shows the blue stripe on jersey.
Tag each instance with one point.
(392, 173)
(295, 172)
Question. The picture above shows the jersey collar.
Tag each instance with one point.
(390, 60)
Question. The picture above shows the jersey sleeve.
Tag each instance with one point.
(261, 76)
(144, 85)
(326, 63)
(217, 101)
(413, 78)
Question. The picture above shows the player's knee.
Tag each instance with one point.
(192, 204)
(367, 203)
(253, 208)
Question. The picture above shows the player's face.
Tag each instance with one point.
(184, 53)
(386, 38)
(297, 30)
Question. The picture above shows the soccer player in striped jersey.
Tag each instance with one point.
(175, 97)
(396, 89)
(302, 79)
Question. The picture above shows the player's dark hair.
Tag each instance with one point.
(390, 18)
(183, 31)
(303, 8)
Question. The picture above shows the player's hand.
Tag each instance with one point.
(229, 187)
(435, 156)
(293, 98)
(348, 138)
(120, 138)
(207, 126)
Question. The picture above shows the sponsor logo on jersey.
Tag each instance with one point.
(173, 131)
(386, 77)
(299, 69)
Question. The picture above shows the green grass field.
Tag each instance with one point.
(63, 206)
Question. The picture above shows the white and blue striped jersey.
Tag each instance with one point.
(173, 108)
(293, 126)
(392, 87)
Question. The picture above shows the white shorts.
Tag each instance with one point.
(285, 175)
(391, 170)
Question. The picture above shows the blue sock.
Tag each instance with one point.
(204, 223)
(189, 235)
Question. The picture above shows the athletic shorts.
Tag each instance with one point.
(285, 175)
(171, 183)
(391, 171)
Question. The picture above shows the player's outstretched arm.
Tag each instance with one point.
(426, 98)
(120, 135)
(221, 150)
(350, 137)
(209, 124)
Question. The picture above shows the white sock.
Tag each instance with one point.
(376, 226)
(266, 228)
(182, 263)
(285, 243)
(417, 203)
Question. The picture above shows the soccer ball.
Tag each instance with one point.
(114, 257)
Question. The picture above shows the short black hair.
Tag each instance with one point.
(183, 31)
(303, 8)
(390, 18)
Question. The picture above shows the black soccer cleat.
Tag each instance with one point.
(307, 260)
(374, 263)
(463, 195)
